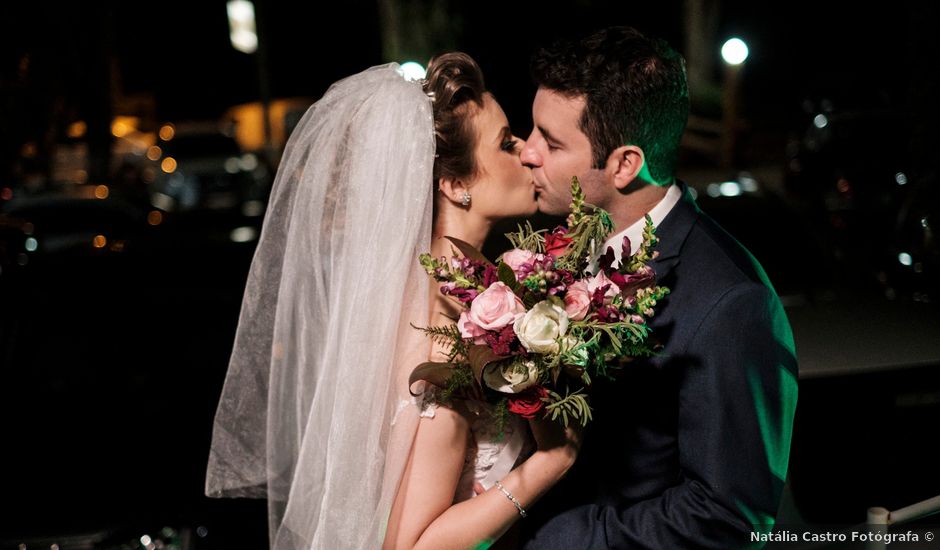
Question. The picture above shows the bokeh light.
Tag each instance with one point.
(412, 70)
(734, 51)
(167, 131)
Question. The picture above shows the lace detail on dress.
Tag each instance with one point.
(427, 410)
(429, 401)
(490, 454)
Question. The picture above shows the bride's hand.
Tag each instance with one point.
(551, 437)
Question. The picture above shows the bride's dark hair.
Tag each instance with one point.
(455, 82)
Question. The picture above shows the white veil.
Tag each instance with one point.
(315, 413)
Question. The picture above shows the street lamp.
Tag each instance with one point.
(241, 25)
(244, 36)
(734, 52)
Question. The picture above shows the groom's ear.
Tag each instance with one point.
(452, 188)
(624, 165)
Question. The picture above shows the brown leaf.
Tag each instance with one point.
(479, 356)
(468, 251)
(432, 373)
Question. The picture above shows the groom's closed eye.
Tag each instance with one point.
(550, 141)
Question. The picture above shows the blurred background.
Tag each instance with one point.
(139, 141)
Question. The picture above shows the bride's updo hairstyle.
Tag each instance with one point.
(455, 83)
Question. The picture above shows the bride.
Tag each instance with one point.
(315, 414)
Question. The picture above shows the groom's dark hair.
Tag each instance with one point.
(635, 90)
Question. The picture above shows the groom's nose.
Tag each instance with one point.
(529, 155)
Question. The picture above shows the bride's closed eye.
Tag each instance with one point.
(510, 145)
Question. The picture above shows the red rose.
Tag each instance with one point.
(528, 403)
(556, 243)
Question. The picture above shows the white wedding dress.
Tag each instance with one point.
(490, 455)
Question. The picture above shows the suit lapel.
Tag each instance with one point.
(673, 231)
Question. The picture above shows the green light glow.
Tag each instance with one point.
(776, 427)
(762, 523)
(412, 70)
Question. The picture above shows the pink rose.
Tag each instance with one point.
(469, 330)
(577, 300)
(495, 307)
(516, 259)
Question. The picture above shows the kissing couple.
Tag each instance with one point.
(689, 447)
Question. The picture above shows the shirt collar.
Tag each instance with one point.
(635, 231)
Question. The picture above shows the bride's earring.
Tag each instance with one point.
(465, 199)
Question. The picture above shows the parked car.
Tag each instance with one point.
(77, 221)
(200, 166)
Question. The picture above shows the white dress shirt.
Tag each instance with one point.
(635, 231)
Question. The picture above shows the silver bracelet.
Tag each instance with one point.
(511, 499)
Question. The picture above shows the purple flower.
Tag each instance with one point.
(609, 314)
(629, 283)
(597, 297)
(538, 264)
(607, 259)
(465, 295)
(625, 247)
(517, 259)
(490, 275)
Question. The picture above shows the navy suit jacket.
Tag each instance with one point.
(688, 449)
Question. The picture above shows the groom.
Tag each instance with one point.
(688, 449)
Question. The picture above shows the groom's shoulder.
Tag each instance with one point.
(717, 256)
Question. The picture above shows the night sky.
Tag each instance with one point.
(180, 51)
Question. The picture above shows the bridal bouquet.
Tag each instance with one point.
(539, 325)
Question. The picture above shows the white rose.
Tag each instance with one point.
(511, 377)
(541, 327)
